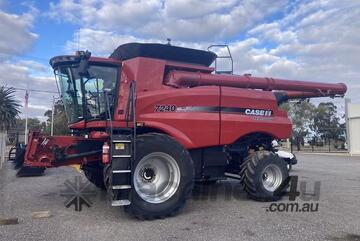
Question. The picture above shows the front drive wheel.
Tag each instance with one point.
(94, 173)
(262, 173)
(162, 179)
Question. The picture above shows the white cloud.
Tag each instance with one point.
(33, 65)
(90, 39)
(192, 9)
(180, 20)
(20, 76)
(320, 36)
(125, 15)
(23, 76)
(272, 32)
(15, 35)
(16, 39)
(107, 15)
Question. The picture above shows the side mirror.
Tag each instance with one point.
(84, 63)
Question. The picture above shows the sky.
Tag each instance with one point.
(316, 40)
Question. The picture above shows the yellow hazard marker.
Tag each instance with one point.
(77, 167)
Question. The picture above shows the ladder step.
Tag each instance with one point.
(121, 171)
(117, 203)
(117, 187)
(120, 156)
(121, 141)
(232, 175)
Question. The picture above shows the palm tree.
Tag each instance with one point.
(9, 107)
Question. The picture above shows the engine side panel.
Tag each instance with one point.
(199, 117)
(245, 111)
(189, 115)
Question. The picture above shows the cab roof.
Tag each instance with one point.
(165, 52)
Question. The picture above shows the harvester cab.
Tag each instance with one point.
(83, 82)
(152, 119)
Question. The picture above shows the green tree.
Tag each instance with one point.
(327, 124)
(33, 124)
(301, 114)
(9, 107)
(60, 119)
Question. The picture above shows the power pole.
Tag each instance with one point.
(52, 117)
(26, 115)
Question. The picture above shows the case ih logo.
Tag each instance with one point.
(258, 112)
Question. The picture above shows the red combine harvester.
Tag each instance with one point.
(152, 119)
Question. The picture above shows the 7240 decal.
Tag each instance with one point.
(165, 108)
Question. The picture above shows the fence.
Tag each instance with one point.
(332, 146)
(14, 135)
(3, 150)
(318, 144)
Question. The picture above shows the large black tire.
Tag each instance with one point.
(20, 158)
(154, 143)
(253, 176)
(94, 173)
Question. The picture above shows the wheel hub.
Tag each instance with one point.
(272, 177)
(156, 177)
(148, 174)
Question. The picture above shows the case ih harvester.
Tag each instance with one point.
(152, 119)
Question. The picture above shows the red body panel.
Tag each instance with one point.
(195, 129)
(191, 129)
(234, 126)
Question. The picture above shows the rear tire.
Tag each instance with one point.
(94, 173)
(20, 158)
(162, 177)
(262, 173)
